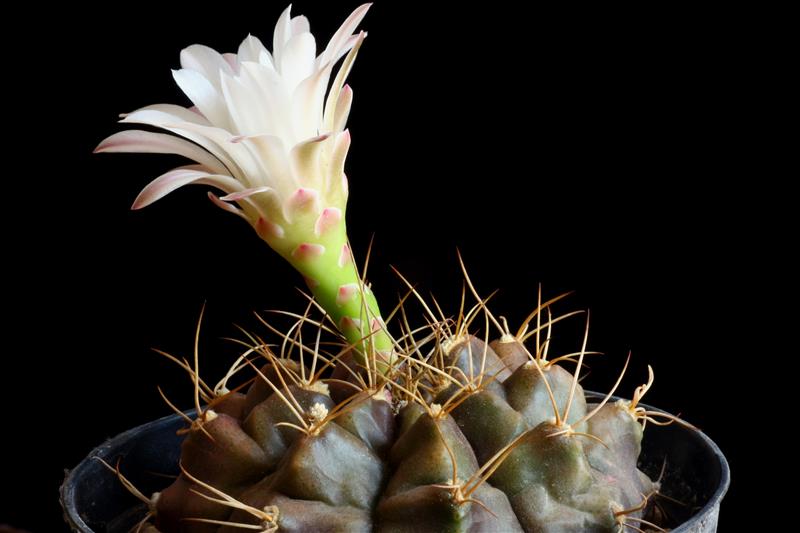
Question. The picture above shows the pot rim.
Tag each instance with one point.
(724, 468)
(67, 489)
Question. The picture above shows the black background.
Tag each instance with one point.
(588, 150)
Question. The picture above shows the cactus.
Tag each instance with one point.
(436, 429)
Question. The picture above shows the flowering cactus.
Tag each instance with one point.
(266, 130)
(447, 432)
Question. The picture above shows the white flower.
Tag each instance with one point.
(264, 129)
(268, 129)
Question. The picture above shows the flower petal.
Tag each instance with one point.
(226, 206)
(233, 61)
(300, 25)
(239, 156)
(204, 95)
(336, 191)
(336, 88)
(305, 162)
(252, 49)
(206, 61)
(171, 118)
(245, 193)
(328, 219)
(159, 143)
(307, 101)
(177, 178)
(342, 109)
(274, 97)
(339, 39)
(297, 60)
(271, 152)
(158, 114)
(244, 105)
(263, 200)
(282, 33)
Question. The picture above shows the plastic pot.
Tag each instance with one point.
(696, 474)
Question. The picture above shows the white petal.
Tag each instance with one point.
(283, 32)
(171, 118)
(336, 88)
(241, 157)
(177, 178)
(262, 200)
(226, 206)
(342, 109)
(252, 49)
(272, 154)
(306, 162)
(348, 45)
(246, 193)
(159, 143)
(206, 61)
(300, 25)
(204, 95)
(336, 171)
(244, 105)
(307, 102)
(158, 114)
(297, 61)
(339, 39)
(275, 99)
(233, 61)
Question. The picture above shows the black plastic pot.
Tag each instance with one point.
(696, 474)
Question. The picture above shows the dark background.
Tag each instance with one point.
(588, 150)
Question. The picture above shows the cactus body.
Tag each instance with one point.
(412, 467)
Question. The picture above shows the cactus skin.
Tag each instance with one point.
(375, 468)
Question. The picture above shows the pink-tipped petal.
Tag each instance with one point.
(345, 256)
(338, 158)
(191, 126)
(177, 178)
(301, 201)
(349, 323)
(246, 193)
(328, 219)
(307, 251)
(225, 206)
(338, 83)
(346, 293)
(219, 140)
(339, 39)
(159, 143)
(268, 230)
